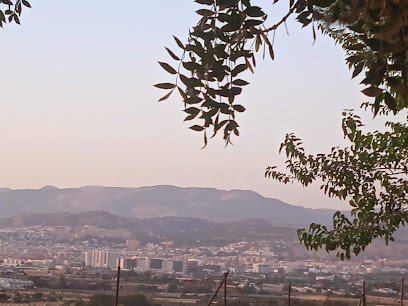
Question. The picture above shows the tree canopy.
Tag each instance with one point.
(371, 173)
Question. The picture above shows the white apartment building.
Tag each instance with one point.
(101, 259)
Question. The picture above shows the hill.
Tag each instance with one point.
(189, 232)
(146, 202)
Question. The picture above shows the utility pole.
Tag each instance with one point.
(223, 281)
(364, 294)
(117, 287)
(402, 291)
(289, 292)
(225, 288)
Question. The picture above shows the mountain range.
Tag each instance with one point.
(146, 202)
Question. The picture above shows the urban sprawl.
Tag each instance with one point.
(34, 260)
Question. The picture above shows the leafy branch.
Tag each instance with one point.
(12, 10)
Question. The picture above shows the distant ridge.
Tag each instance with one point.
(155, 201)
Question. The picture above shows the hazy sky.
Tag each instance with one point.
(78, 106)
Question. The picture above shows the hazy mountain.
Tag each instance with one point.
(182, 230)
(205, 203)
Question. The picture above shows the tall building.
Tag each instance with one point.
(178, 266)
(102, 259)
(122, 263)
(128, 263)
(131, 263)
(88, 258)
(99, 259)
(143, 263)
(167, 265)
(112, 259)
(156, 263)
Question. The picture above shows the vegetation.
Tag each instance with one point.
(135, 300)
(371, 172)
(3, 297)
(101, 299)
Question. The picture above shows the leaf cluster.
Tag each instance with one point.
(10, 10)
(371, 174)
(219, 48)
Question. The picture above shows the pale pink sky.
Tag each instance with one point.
(78, 106)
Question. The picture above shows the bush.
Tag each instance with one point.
(17, 298)
(3, 297)
(101, 299)
(239, 303)
(134, 300)
(38, 296)
(172, 287)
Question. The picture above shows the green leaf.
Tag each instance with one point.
(238, 69)
(26, 3)
(357, 70)
(192, 110)
(166, 96)
(165, 85)
(168, 68)
(239, 108)
(205, 2)
(175, 57)
(191, 82)
(197, 128)
(390, 102)
(182, 93)
(254, 11)
(240, 82)
(336, 14)
(372, 91)
(205, 13)
(271, 53)
(356, 47)
(16, 19)
(179, 43)
(324, 3)
(193, 100)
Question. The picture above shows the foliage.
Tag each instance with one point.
(4, 297)
(17, 298)
(10, 10)
(41, 282)
(172, 287)
(37, 296)
(239, 303)
(371, 172)
(135, 300)
(101, 299)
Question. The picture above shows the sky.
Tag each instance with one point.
(78, 105)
